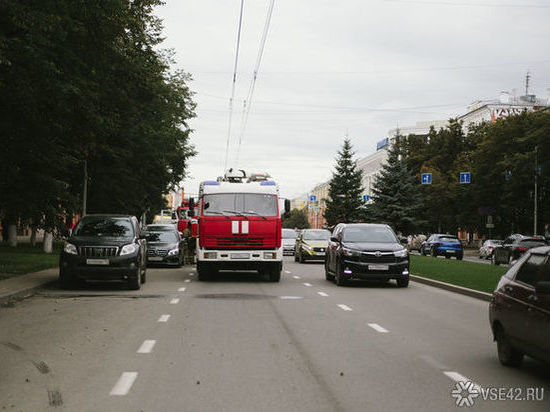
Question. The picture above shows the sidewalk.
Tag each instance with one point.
(24, 285)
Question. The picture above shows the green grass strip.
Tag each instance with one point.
(26, 259)
(471, 275)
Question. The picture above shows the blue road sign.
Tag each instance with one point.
(507, 175)
(426, 179)
(312, 198)
(464, 177)
(366, 198)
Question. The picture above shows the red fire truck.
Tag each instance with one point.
(185, 218)
(240, 225)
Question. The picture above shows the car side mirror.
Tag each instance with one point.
(287, 206)
(542, 288)
(404, 241)
(334, 239)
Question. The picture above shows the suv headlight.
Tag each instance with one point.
(350, 252)
(401, 253)
(70, 249)
(173, 252)
(128, 249)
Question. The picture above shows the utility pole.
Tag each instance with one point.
(536, 192)
(85, 194)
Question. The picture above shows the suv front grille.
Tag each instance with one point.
(385, 257)
(319, 249)
(97, 251)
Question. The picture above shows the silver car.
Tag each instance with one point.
(288, 241)
(486, 250)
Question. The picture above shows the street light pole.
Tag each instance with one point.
(85, 194)
(536, 192)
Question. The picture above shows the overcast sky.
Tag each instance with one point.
(355, 67)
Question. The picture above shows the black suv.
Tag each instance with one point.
(513, 247)
(104, 248)
(366, 251)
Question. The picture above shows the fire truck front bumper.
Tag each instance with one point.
(242, 259)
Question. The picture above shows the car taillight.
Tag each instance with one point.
(491, 247)
(437, 244)
(522, 249)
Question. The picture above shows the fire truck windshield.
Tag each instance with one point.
(254, 204)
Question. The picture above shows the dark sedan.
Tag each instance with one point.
(366, 251)
(165, 248)
(519, 312)
(104, 248)
(513, 247)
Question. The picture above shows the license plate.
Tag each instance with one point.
(97, 261)
(240, 255)
(379, 267)
(154, 258)
(320, 253)
(450, 251)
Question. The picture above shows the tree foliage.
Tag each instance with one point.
(86, 81)
(345, 189)
(297, 219)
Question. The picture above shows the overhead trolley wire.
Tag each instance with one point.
(233, 84)
(247, 104)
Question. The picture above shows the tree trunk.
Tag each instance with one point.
(48, 240)
(33, 235)
(12, 235)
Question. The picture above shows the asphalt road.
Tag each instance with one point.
(239, 344)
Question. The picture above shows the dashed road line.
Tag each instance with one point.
(378, 328)
(307, 284)
(322, 294)
(287, 271)
(163, 318)
(181, 290)
(191, 274)
(147, 346)
(174, 301)
(296, 277)
(124, 384)
(345, 307)
(457, 377)
(187, 280)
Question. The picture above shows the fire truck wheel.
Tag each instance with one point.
(274, 274)
(204, 272)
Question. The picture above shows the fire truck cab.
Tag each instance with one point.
(239, 225)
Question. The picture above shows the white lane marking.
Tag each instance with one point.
(174, 301)
(323, 294)
(286, 271)
(181, 290)
(163, 318)
(435, 363)
(290, 297)
(124, 383)
(307, 284)
(296, 277)
(187, 280)
(378, 328)
(191, 274)
(457, 377)
(345, 307)
(147, 346)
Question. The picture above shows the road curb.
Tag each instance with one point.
(453, 288)
(22, 294)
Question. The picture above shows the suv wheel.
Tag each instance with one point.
(328, 275)
(134, 283)
(403, 282)
(65, 280)
(434, 253)
(340, 276)
(507, 354)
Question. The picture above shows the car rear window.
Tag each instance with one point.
(369, 234)
(449, 239)
(289, 234)
(104, 227)
(532, 243)
(317, 235)
(165, 237)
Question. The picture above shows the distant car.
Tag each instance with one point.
(289, 241)
(519, 312)
(311, 244)
(443, 245)
(165, 248)
(158, 227)
(486, 250)
(366, 251)
(513, 247)
(109, 248)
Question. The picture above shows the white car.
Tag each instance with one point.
(289, 241)
(486, 250)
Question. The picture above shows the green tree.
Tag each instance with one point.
(297, 219)
(345, 189)
(396, 195)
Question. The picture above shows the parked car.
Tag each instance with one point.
(311, 244)
(366, 251)
(513, 247)
(486, 250)
(443, 245)
(519, 312)
(158, 227)
(165, 248)
(107, 248)
(289, 241)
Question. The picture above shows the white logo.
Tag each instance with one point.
(465, 393)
